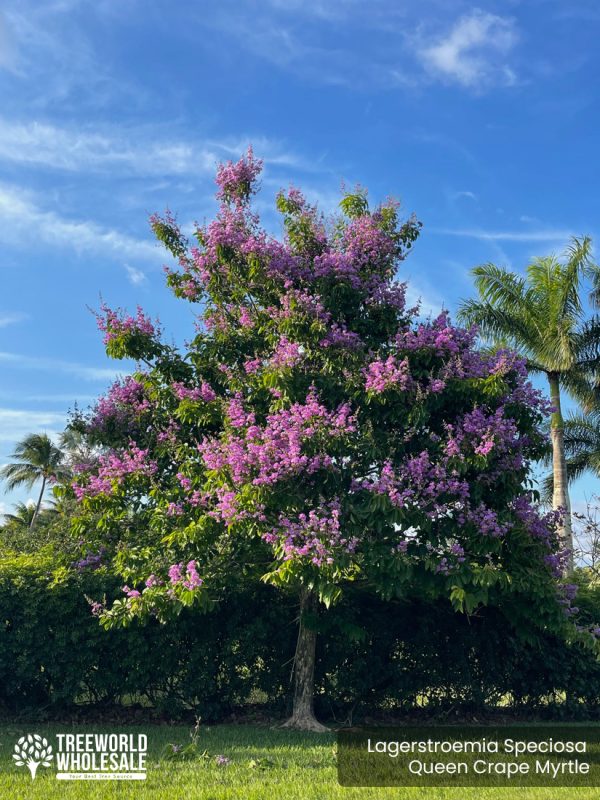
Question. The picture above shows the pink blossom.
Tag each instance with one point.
(113, 469)
(114, 323)
(383, 374)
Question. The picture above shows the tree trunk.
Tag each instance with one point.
(39, 503)
(303, 715)
(560, 494)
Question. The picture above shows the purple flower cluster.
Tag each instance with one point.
(538, 526)
(245, 318)
(449, 563)
(363, 254)
(382, 374)
(420, 483)
(315, 536)
(276, 451)
(301, 302)
(115, 323)
(340, 336)
(91, 560)
(236, 180)
(113, 469)
(187, 577)
(203, 392)
(125, 401)
(367, 246)
(486, 521)
(567, 592)
(287, 354)
(481, 432)
(438, 335)
(237, 415)
(392, 295)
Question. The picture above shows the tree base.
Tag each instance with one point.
(305, 722)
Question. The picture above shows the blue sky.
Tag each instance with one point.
(481, 119)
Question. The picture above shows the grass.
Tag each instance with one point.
(266, 764)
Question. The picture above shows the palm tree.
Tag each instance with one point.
(76, 449)
(22, 515)
(582, 446)
(36, 458)
(542, 316)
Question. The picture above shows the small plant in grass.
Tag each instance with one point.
(261, 764)
(186, 752)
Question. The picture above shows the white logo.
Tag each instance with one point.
(31, 751)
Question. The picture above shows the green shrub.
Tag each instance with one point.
(374, 657)
(53, 652)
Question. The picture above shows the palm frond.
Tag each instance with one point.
(36, 456)
(497, 286)
(498, 325)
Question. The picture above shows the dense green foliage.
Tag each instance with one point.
(376, 658)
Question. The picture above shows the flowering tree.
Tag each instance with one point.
(313, 433)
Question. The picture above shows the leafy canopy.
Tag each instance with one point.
(314, 432)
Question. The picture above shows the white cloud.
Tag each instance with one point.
(473, 53)
(11, 318)
(135, 276)
(56, 365)
(136, 151)
(16, 423)
(8, 51)
(73, 150)
(62, 398)
(465, 194)
(538, 235)
(20, 215)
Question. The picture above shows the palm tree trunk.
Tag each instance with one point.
(39, 503)
(560, 494)
(303, 715)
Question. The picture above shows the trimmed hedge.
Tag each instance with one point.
(374, 657)
(54, 654)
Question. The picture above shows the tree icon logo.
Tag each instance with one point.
(31, 751)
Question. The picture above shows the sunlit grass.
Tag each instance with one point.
(265, 764)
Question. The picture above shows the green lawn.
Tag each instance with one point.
(286, 765)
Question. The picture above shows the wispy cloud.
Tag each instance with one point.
(423, 295)
(8, 50)
(311, 39)
(57, 58)
(330, 10)
(137, 151)
(75, 150)
(537, 235)
(16, 423)
(11, 318)
(57, 365)
(135, 276)
(466, 194)
(20, 214)
(61, 398)
(473, 53)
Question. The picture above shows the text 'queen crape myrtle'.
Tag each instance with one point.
(314, 432)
